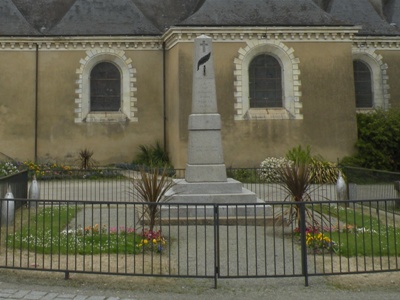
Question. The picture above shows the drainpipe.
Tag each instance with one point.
(36, 101)
(164, 101)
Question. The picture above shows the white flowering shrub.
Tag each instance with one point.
(270, 166)
(7, 168)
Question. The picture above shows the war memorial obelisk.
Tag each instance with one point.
(205, 180)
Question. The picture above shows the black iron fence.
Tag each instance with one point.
(273, 239)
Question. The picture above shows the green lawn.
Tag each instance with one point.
(46, 232)
(363, 232)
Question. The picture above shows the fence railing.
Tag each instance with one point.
(273, 239)
(117, 185)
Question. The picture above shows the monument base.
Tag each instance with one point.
(227, 192)
(198, 198)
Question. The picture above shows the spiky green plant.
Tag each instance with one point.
(296, 180)
(85, 158)
(151, 188)
(152, 156)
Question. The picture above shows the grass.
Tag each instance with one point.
(362, 233)
(46, 232)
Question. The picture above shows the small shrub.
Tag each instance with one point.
(8, 168)
(270, 169)
(378, 141)
(244, 175)
(323, 171)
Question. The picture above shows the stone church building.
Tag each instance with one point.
(112, 75)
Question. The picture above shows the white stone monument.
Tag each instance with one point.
(205, 180)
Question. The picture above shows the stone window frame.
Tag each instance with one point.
(128, 111)
(380, 86)
(291, 83)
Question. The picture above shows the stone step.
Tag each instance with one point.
(207, 211)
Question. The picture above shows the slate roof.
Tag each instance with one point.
(361, 12)
(260, 12)
(153, 17)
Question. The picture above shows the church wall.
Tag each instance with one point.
(17, 103)
(329, 123)
(174, 106)
(328, 98)
(60, 138)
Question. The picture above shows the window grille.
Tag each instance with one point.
(105, 88)
(363, 85)
(265, 82)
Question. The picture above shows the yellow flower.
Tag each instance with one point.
(145, 242)
(154, 241)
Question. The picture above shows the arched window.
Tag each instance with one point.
(363, 85)
(105, 87)
(265, 82)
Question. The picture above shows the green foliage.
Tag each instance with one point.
(244, 175)
(152, 156)
(378, 141)
(299, 156)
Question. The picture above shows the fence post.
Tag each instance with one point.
(216, 244)
(397, 188)
(303, 242)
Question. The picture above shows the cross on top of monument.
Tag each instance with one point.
(204, 44)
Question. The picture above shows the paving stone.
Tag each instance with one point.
(80, 297)
(20, 294)
(50, 296)
(66, 296)
(34, 295)
(96, 298)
